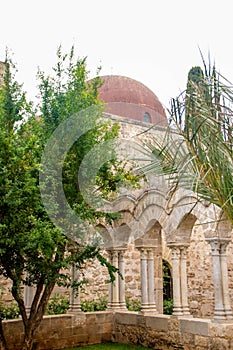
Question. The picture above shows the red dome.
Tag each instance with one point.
(129, 98)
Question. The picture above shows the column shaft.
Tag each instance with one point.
(219, 312)
(75, 305)
(144, 279)
(184, 281)
(115, 284)
(28, 298)
(177, 310)
(122, 281)
(225, 285)
(151, 280)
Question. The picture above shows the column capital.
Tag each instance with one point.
(218, 245)
(179, 245)
(121, 253)
(150, 253)
(116, 249)
(143, 252)
(175, 253)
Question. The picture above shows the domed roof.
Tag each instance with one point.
(129, 98)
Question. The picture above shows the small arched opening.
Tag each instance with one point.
(147, 117)
(167, 289)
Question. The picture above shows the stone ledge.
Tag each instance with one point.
(126, 318)
(195, 326)
(158, 323)
(155, 331)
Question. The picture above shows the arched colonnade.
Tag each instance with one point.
(151, 221)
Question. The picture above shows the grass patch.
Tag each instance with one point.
(110, 346)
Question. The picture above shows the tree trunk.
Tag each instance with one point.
(36, 317)
(28, 340)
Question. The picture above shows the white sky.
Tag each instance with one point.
(155, 42)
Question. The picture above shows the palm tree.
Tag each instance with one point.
(196, 151)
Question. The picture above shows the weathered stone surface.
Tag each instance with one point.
(197, 326)
(158, 332)
(157, 323)
(126, 318)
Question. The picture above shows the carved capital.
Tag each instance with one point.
(175, 253)
(143, 253)
(150, 254)
(215, 245)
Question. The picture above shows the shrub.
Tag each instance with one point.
(168, 306)
(58, 304)
(133, 304)
(95, 305)
(9, 311)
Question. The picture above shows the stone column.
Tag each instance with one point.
(144, 279)
(151, 280)
(224, 272)
(184, 281)
(115, 302)
(75, 305)
(122, 280)
(28, 298)
(177, 309)
(219, 312)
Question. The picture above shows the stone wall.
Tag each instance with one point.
(156, 332)
(63, 331)
(168, 332)
(199, 272)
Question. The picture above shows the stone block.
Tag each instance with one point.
(201, 341)
(221, 330)
(90, 318)
(78, 319)
(101, 317)
(106, 337)
(81, 339)
(187, 338)
(195, 326)
(107, 327)
(126, 318)
(220, 344)
(94, 329)
(58, 322)
(173, 324)
(157, 323)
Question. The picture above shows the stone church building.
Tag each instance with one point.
(190, 240)
(155, 230)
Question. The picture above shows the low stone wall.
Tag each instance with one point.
(167, 332)
(159, 332)
(63, 331)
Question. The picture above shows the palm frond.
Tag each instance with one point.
(197, 152)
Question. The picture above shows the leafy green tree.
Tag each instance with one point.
(33, 251)
(196, 152)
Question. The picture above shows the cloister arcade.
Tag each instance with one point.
(160, 229)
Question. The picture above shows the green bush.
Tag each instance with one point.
(168, 306)
(95, 305)
(133, 304)
(9, 311)
(58, 304)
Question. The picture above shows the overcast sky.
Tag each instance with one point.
(155, 42)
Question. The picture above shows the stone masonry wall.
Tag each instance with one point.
(63, 331)
(157, 332)
(167, 332)
(199, 272)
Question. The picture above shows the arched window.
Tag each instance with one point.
(167, 289)
(147, 117)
